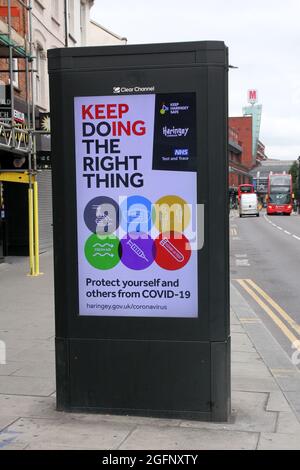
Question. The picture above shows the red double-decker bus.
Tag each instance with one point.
(245, 189)
(280, 194)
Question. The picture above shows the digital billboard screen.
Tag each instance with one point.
(136, 186)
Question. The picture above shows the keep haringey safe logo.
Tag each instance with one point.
(173, 108)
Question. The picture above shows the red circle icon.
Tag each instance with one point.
(173, 250)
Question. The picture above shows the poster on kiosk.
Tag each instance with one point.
(139, 141)
(136, 198)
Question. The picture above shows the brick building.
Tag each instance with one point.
(19, 33)
(245, 150)
(238, 171)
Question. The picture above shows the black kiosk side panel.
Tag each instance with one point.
(151, 366)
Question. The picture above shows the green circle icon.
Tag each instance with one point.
(102, 252)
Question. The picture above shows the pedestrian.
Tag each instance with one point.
(295, 205)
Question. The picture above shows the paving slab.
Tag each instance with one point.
(294, 398)
(31, 386)
(33, 354)
(248, 414)
(236, 328)
(279, 441)
(27, 406)
(241, 342)
(288, 423)
(152, 438)
(89, 435)
(253, 384)
(246, 357)
(277, 402)
(34, 369)
(9, 368)
(134, 420)
(255, 370)
(6, 421)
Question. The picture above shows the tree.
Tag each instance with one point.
(294, 172)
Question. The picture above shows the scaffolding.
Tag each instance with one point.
(14, 139)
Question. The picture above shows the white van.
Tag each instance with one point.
(248, 205)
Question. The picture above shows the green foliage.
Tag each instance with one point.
(294, 172)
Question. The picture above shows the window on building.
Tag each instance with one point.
(71, 16)
(40, 76)
(55, 9)
(83, 23)
(15, 73)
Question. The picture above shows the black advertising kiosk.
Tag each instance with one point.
(139, 142)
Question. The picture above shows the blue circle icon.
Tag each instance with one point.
(136, 214)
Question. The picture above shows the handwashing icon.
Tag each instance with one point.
(103, 250)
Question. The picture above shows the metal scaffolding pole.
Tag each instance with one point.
(14, 136)
(11, 75)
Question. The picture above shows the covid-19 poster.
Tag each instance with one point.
(136, 189)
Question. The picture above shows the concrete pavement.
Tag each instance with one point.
(264, 414)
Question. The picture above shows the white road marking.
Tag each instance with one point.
(280, 228)
(242, 262)
(241, 256)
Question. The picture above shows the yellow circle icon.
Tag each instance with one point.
(172, 213)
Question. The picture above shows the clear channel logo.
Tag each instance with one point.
(135, 89)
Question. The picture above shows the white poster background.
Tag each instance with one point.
(156, 185)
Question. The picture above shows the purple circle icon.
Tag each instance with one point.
(138, 250)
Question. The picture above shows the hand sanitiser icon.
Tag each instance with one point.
(167, 245)
(137, 250)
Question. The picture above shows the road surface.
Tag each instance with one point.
(265, 267)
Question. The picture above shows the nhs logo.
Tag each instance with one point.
(181, 152)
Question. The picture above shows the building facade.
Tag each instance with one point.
(35, 27)
(238, 172)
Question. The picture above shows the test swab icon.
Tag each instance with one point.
(170, 248)
(137, 250)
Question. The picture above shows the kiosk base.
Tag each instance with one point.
(127, 378)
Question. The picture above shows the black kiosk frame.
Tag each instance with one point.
(164, 367)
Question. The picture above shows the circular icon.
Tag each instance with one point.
(172, 213)
(138, 251)
(163, 109)
(102, 252)
(102, 215)
(136, 214)
(173, 250)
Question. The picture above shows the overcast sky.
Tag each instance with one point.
(263, 37)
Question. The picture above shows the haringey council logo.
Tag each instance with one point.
(175, 131)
